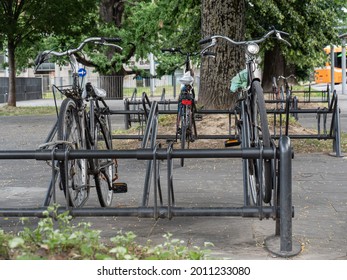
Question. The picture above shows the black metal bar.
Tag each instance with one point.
(168, 112)
(170, 192)
(307, 136)
(143, 212)
(334, 107)
(172, 136)
(151, 118)
(140, 154)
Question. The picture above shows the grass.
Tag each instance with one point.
(317, 146)
(169, 91)
(26, 111)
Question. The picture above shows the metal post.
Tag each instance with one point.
(174, 85)
(337, 131)
(343, 65)
(285, 246)
(285, 195)
(152, 72)
(126, 116)
(332, 69)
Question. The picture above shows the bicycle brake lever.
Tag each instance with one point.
(213, 42)
(206, 40)
(279, 37)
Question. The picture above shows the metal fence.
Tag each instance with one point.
(26, 89)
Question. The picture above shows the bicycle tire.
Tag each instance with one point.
(261, 126)
(183, 136)
(75, 183)
(249, 167)
(105, 167)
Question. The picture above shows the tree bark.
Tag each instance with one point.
(274, 66)
(223, 17)
(12, 74)
(111, 11)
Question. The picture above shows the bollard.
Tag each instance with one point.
(282, 245)
(285, 194)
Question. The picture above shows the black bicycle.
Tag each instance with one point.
(252, 129)
(84, 127)
(186, 109)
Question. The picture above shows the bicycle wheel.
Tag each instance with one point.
(183, 137)
(73, 174)
(105, 167)
(260, 136)
(243, 129)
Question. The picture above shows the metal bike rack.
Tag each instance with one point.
(334, 132)
(281, 211)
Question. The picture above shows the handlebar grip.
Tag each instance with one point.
(209, 54)
(206, 40)
(283, 33)
(111, 40)
(168, 50)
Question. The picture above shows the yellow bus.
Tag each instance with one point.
(323, 75)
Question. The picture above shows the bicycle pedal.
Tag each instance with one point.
(198, 117)
(119, 187)
(232, 143)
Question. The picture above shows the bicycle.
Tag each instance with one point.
(285, 88)
(83, 127)
(291, 102)
(251, 129)
(186, 108)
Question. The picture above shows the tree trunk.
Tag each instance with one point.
(12, 74)
(274, 66)
(224, 17)
(111, 11)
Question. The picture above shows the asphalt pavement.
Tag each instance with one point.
(319, 196)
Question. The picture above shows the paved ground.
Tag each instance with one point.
(319, 197)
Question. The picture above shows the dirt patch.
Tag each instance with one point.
(211, 124)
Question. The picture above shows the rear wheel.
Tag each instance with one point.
(105, 167)
(183, 137)
(73, 173)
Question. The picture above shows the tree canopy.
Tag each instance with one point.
(312, 24)
(24, 22)
(146, 26)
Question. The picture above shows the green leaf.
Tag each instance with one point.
(16, 242)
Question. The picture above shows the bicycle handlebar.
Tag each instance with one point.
(172, 50)
(179, 50)
(97, 40)
(212, 39)
(286, 78)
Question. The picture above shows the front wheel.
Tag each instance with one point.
(260, 136)
(73, 172)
